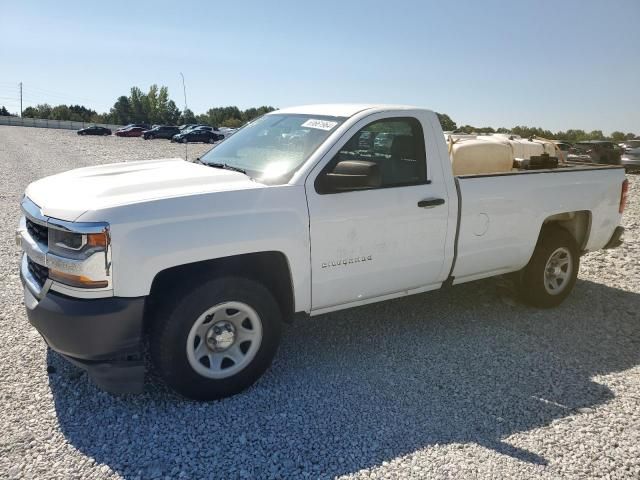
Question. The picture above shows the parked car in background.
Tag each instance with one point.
(210, 129)
(631, 157)
(144, 126)
(203, 127)
(94, 130)
(226, 131)
(186, 126)
(161, 131)
(131, 132)
(601, 151)
(578, 156)
(197, 135)
(192, 126)
(630, 144)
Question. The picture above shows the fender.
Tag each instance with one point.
(150, 237)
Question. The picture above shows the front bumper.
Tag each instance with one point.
(101, 335)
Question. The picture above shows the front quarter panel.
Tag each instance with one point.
(150, 237)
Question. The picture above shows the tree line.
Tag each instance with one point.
(155, 107)
(571, 136)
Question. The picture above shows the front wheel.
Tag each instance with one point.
(216, 339)
(184, 140)
(551, 274)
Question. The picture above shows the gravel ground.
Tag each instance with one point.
(457, 384)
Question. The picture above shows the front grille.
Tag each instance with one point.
(38, 232)
(39, 272)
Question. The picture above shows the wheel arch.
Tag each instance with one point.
(577, 223)
(270, 268)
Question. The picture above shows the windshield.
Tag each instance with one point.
(273, 147)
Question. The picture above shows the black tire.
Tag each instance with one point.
(184, 140)
(175, 318)
(534, 285)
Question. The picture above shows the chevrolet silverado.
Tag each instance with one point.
(303, 211)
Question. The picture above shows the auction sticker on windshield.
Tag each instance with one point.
(319, 124)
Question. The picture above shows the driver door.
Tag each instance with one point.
(378, 241)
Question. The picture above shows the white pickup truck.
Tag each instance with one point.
(303, 211)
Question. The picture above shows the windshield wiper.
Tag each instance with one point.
(226, 166)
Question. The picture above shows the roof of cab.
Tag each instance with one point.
(343, 109)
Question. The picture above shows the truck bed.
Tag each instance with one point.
(501, 214)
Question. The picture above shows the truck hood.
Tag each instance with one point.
(68, 195)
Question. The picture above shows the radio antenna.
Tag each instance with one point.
(184, 90)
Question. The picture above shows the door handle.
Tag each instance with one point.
(430, 202)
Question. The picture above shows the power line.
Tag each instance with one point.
(38, 95)
(11, 105)
(28, 97)
(52, 93)
(54, 98)
(15, 99)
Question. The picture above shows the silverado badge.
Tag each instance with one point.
(347, 261)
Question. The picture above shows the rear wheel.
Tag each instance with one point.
(212, 140)
(216, 339)
(551, 274)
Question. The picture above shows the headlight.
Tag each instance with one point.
(86, 270)
(76, 245)
(78, 253)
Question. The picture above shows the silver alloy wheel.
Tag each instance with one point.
(558, 271)
(224, 340)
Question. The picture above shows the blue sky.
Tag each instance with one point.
(555, 64)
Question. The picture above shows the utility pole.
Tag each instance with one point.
(184, 90)
(20, 99)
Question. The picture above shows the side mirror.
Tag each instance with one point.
(352, 175)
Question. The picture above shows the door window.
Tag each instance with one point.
(396, 145)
